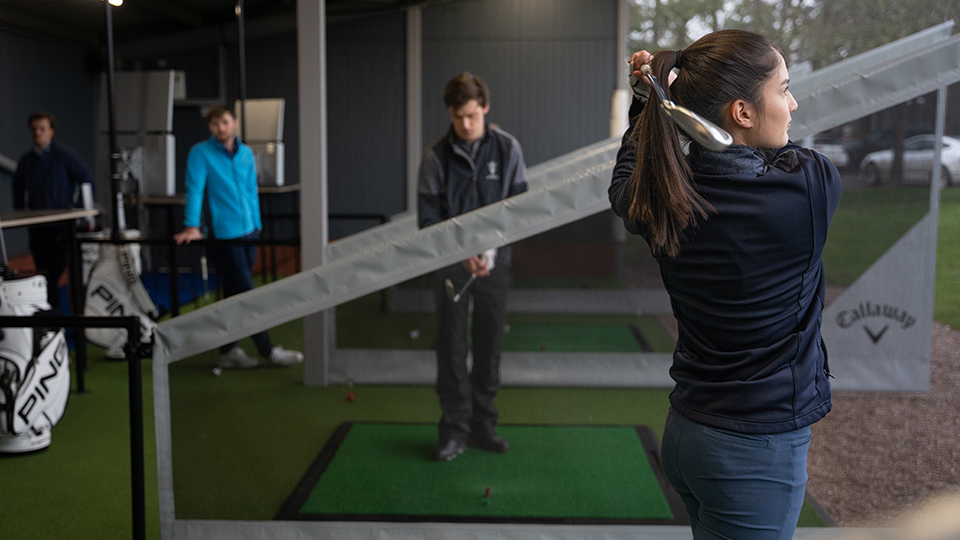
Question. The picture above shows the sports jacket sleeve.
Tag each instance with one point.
(516, 170)
(195, 183)
(619, 191)
(430, 191)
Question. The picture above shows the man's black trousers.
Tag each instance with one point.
(50, 247)
(234, 264)
(466, 398)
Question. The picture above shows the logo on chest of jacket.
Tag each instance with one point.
(492, 171)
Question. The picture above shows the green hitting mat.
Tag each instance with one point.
(552, 474)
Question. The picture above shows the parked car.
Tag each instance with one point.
(917, 162)
(879, 139)
(832, 148)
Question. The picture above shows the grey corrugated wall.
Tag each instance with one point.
(367, 119)
(550, 66)
(37, 73)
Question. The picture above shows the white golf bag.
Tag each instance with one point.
(34, 370)
(114, 289)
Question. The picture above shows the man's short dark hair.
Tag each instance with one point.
(39, 115)
(217, 111)
(465, 87)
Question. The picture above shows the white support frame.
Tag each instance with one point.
(318, 327)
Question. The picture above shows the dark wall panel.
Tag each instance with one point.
(366, 105)
(40, 74)
(550, 65)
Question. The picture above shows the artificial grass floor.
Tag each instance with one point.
(551, 473)
(241, 441)
(361, 324)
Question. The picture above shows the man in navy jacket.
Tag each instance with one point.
(49, 177)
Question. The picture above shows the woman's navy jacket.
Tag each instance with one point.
(747, 287)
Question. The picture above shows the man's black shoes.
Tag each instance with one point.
(448, 449)
(489, 442)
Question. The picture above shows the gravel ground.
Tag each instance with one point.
(877, 455)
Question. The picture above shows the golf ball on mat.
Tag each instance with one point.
(217, 371)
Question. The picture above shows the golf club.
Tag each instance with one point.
(701, 130)
(489, 259)
(456, 297)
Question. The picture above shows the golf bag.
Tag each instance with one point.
(114, 289)
(34, 370)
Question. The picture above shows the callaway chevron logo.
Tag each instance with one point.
(867, 312)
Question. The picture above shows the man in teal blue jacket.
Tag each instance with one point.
(221, 184)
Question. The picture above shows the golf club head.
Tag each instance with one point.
(448, 288)
(704, 132)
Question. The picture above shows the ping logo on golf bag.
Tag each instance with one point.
(42, 391)
(128, 266)
(114, 289)
(114, 306)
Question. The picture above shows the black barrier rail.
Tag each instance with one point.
(172, 254)
(135, 353)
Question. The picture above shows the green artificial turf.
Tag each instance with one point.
(550, 472)
(867, 223)
(568, 283)
(564, 338)
(243, 440)
(362, 324)
(947, 303)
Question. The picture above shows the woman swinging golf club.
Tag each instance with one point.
(738, 234)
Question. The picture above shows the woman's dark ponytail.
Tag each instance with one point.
(716, 70)
(663, 195)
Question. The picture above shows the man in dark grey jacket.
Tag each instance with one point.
(473, 165)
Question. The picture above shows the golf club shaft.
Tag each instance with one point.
(648, 72)
(459, 295)
(701, 130)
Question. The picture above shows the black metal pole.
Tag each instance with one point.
(241, 41)
(112, 120)
(174, 266)
(135, 384)
(76, 292)
(174, 279)
(3, 256)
